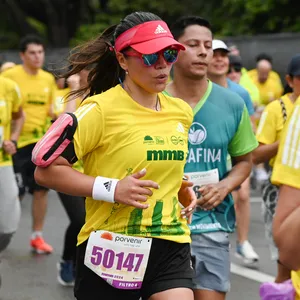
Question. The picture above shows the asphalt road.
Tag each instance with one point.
(31, 277)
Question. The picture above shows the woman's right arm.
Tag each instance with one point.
(264, 152)
(60, 176)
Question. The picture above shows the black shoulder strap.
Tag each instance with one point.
(69, 153)
(283, 110)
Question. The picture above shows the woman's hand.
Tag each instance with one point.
(132, 190)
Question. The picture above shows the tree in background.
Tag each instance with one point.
(68, 22)
(228, 17)
(56, 21)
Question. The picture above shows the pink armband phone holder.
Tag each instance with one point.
(56, 141)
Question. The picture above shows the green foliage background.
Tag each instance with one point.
(228, 17)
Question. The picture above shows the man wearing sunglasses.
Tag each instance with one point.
(235, 68)
(221, 125)
(245, 81)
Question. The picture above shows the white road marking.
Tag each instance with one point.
(251, 274)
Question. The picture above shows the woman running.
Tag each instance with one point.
(268, 135)
(133, 141)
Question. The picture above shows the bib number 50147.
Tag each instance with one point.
(107, 257)
(118, 259)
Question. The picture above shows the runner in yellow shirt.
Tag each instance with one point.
(37, 88)
(267, 81)
(268, 135)
(133, 142)
(10, 110)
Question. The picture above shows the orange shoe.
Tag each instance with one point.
(40, 246)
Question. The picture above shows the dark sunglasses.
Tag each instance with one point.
(235, 68)
(170, 55)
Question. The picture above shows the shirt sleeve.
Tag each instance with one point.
(287, 165)
(244, 140)
(267, 129)
(89, 133)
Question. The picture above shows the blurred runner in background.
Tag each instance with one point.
(37, 90)
(267, 81)
(11, 122)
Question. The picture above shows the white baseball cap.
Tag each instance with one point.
(218, 44)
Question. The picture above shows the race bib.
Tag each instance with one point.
(202, 178)
(119, 259)
(1, 136)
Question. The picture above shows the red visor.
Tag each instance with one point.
(147, 38)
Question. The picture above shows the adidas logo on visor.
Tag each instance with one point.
(159, 29)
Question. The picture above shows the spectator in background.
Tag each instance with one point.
(7, 65)
(267, 81)
(235, 68)
(239, 74)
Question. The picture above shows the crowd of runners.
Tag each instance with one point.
(151, 137)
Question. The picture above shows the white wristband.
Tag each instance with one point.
(104, 189)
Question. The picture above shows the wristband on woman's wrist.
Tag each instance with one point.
(104, 189)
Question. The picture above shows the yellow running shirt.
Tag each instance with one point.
(247, 83)
(287, 165)
(37, 93)
(269, 90)
(272, 122)
(117, 137)
(10, 101)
